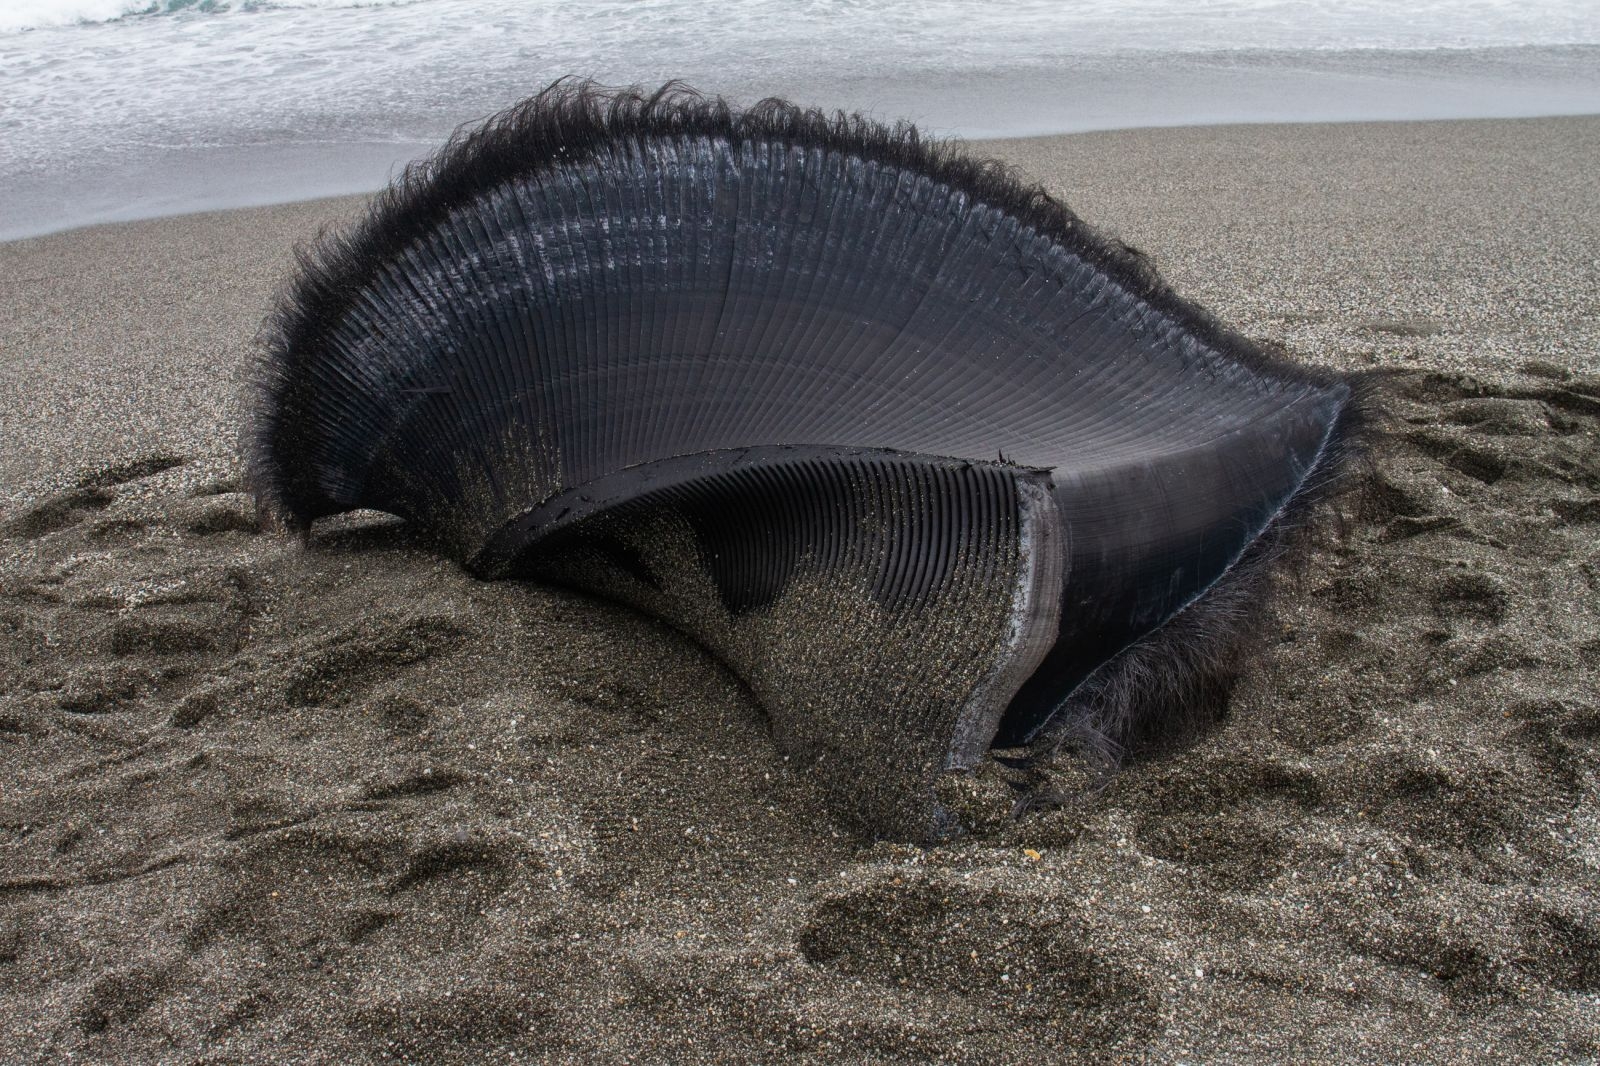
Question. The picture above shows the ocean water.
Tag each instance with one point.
(113, 109)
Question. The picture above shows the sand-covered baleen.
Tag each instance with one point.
(925, 460)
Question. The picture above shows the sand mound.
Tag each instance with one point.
(342, 803)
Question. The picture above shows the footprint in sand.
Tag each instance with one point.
(92, 493)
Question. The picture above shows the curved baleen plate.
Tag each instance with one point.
(883, 608)
(920, 456)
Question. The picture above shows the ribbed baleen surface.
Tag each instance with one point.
(918, 455)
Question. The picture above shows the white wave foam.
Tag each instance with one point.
(42, 14)
(107, 87)
(1086, 25)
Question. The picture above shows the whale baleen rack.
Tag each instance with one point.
(930, 464)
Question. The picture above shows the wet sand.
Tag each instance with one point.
(343, 803)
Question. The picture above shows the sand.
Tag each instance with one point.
(342, 803)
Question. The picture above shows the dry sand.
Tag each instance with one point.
(345, 804)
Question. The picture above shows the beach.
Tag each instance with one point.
(340, 802)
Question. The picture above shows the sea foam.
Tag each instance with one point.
(116, 108)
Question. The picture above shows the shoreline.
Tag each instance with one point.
(94, 172)
(255, 174)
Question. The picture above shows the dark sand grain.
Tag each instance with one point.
(345, 804)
